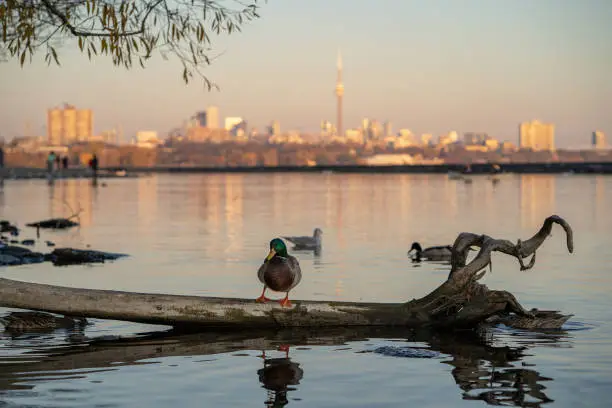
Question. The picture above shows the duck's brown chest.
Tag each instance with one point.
(278, 277)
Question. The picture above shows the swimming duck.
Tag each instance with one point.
(434, 253)
(280, 272)
(308, 243)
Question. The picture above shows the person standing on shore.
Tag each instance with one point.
(51, 166)
(1, 166)
(93, 164)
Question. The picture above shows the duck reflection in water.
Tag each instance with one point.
(277, 375)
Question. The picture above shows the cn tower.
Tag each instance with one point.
(339, 93)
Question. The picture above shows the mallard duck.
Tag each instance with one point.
(306, 242)
(280, 272)
(434, 253)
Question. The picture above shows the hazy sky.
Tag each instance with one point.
(430, 66)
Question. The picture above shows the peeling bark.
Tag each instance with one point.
(460, 301)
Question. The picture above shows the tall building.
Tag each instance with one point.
(339, 94)
(208, 118)
(84, 124)
(536, 135)
(599, 140)
(212, 117)
(388, 129)
(232, 121)
(68, 125)
(475, 138)
(274, 128)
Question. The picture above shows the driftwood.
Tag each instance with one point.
(482, 370)
(54, 223)
(58, 223)
(460, 301)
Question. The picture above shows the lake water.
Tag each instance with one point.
(207, 234)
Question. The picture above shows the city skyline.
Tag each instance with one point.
(546, 61)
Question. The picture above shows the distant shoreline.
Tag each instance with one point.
(484, 168)
(481, 168)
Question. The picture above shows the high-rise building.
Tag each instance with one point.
(212, 117)
(599, 140)
(68, 125)
(388, 129)
(536, 135)
(475, 138)
(54, 126)
(232, 121)
(339, 95)
(208, 118)
(274, 128)
(84, 124)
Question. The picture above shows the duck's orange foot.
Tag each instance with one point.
(285, 302)
(262, 299)
(285, 348)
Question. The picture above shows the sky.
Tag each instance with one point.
(432, 66)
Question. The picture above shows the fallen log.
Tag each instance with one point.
(460, 301)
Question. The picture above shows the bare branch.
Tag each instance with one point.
(521, 250)
(462, 273)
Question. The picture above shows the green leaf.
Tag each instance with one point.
(54, 53)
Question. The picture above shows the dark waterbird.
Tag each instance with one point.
(434, 253)
(307, 243)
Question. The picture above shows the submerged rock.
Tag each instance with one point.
(11, 255)
(6, 226)
(39, 321)
(15, 255)
(71, 256)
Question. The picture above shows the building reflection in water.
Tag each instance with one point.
(405, 194)
(600, 208)
(70, 197)
(452, 200)
(147, 202)
(537, 199)
(210, 202)
(336, 199)
(234, 217)
(277, 376)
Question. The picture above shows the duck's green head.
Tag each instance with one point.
(277, 247)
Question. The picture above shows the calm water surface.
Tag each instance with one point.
(207, 234)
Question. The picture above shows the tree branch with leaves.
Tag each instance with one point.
(127, 31)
